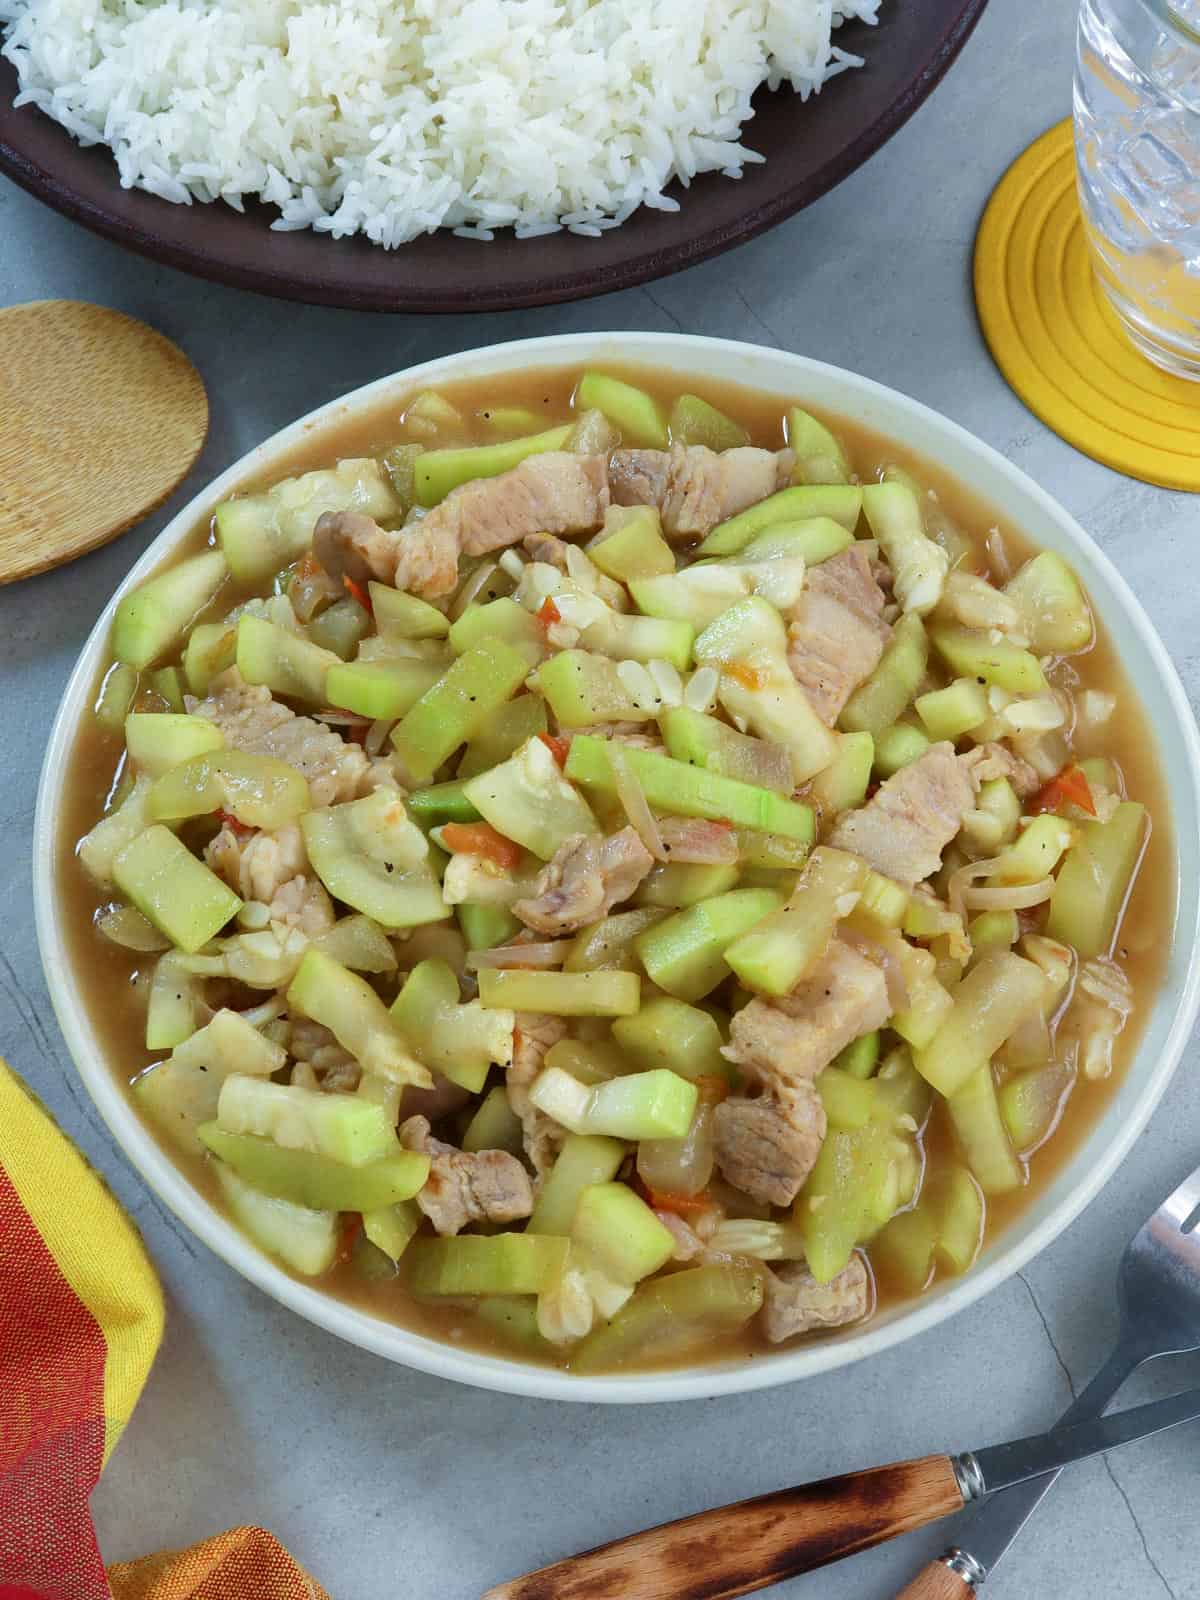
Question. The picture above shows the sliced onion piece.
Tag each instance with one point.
(688, 1244)
(634, 803)
(549, 954)
(539, 581)
(1096, 707)
(341, 719)
(962, 877)
(998, 556)
(887, 955)
(1018, 897)
(1040, 714)
(126, 926)
(470, 587)
(310, 592)
(258, 1016)
(377, 735)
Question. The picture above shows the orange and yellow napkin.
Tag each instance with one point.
(81, 1317)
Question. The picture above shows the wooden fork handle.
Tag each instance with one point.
(937, 1581)
(735, 1549)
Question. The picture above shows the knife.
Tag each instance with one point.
(735, 1549)
(990, 1529)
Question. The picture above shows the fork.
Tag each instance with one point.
(719, 1554)
(1158, 1290)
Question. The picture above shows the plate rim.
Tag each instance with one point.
(166, 246)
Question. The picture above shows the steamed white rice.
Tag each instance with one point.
(396, 117)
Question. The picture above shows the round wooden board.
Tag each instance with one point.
(102, 419)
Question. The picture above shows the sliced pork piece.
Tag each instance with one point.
(426, 559)
(904, 828)
(994, 760)
(766, 1152)
(258, 864)
(837, 633)
(694, 487)
(784, 1043)
(381, 772)
(313, 1044)
(831, 651)
(849, 579)
(767, 1146)
(302, 902)
(223, 855)
(489, 1186)
(693, 839)
(342, 1080)
(552, 493)
(637, 735)
(443, 1099)
(251, 720)
(352, 545)
(639, 477)
(273, 868)
(586, 878)
(546, 548)
(534, 1034)
(795, 1302)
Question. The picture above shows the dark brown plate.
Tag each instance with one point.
(809, 148)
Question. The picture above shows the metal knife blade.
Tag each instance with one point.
(999, 1466)
(988, 1529)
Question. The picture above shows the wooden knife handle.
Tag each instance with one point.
(937, 1582)
(735, 1549)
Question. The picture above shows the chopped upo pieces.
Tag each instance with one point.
(619, 878)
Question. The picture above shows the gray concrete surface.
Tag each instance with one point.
(386, 1482)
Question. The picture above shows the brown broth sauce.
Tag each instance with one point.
(114, 980)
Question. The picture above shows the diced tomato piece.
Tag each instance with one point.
(683, 1205)
(1069, 787)
(357, 592)
(228, 820)
(481, 839)
(750, 677)
(549, 613)
(558, 747)
(351, 1227)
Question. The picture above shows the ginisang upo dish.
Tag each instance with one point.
(611, 875)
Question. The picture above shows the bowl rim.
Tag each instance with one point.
(688, 354)
(82, 183)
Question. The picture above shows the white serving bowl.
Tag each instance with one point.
(990, 476)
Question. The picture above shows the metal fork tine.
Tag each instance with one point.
(1158, 1285)
(1182, 1205)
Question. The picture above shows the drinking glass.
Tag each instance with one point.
(1137, 147)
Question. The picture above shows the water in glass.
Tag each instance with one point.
(1137, 143)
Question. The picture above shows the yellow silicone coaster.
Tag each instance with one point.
(1057, 341)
